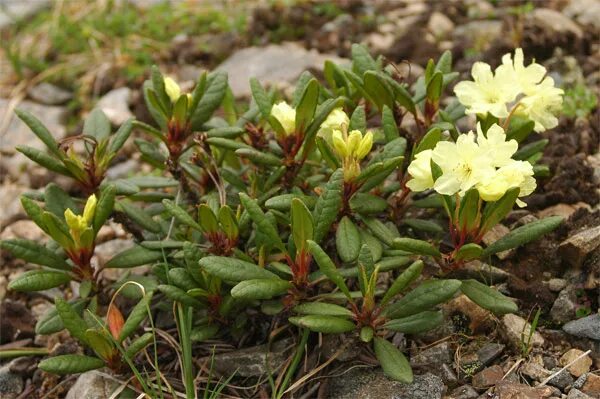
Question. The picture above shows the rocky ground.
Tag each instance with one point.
(473, 355)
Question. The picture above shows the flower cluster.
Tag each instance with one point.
(80, 226)
(286, 115)
(512, 87)
(483, 162)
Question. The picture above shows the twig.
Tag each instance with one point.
(564, 368)
(514, 366)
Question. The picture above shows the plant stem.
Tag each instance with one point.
(184, 327)
(294, 364)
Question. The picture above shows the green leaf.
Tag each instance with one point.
(495, 211)
(179, 277)
(97, 125)
(212, 98)
(362, 60)
(417, 323)
(414, 246)
(323, 324)
(524, 234)
(138, 215)
(366, 333)
(424, 297)
(40, 131)
(434, 87)
(178, 295)
(322, 112)
(99, 343)
(488, 298)
(403, 281)
(138, 344)
(227, 132)
(231, 269)
(379, 230)
(134, 256)
(358, 120)
(283, 202)
(135, 318)
(259, 157)
(203, 333)
(428, 226)
(180, 214)
(468, 252)
(34, 253)
(71, 319)
(208, 220)
(118, 140)
(38, 280)
(302, 223)
(327, 267)
(365, 203)
(47, 161)
(35, 212)
(305, 111)
(444, 64)
(322, 309)
(158, 84)
(105, 206)
(70, 364)
(378, 90)
(262, 99)
(228, 222)
(388, 122)
(429, 141)
(57, 229)
(261, 221)
(328, 205)
(530, 149)
(260, 288)
(392, 361)
(520, 128)
(57, 201)
(50, 322)
(347, 240)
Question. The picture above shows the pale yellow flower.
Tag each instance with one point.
(495, 144)
(514, 174)
(339, 144)
(172, 89)
(542, 104)
(365, 145)
(464, 164)
(286, 115)
(336, 120)
(420, 171)
(526, 77)
(487, 93)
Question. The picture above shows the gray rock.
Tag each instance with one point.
(92, 385)
(372, 384)
(11, 209)
(25, 229)
(587, 327)
(482, 33)
(562, 380)
(439, 24)
(252, 362)
(488, 377)
(585, 12)
(556, 284)
(115, 104)
(274, 65)
(577, 394)
(12, 11)
(512, 326)
(464, 392)
(489, 352)
(563, 309)
(432, 359)
(553, 23)
(11, 384)
(17, 132)
(576, 248)
(49, 94)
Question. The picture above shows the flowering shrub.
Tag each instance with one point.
(294, 208)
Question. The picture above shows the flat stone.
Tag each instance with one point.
(18, 133)
(92, 385)
(25, 229)
(115, 104)
(463, 392)
(49, 94)
(587, 327)
(373, 384)
(105, 251)
(11, 209)
(512, 390)
(432, 358)
(578, 368)
(12, 11)
(585, 12)
(482, 33)
(553, 22)
(556, 284)
(493, 235)
(565, 305)
(11, 384)
(479, 319)
(592, 386)
(512, 326)
(534, 370)
(488, 377)
(575, 393)
(273, 65)
(439, 24)
(251, 362)
(576, 248)
(564, 210)
(561, 380)
(489, 352)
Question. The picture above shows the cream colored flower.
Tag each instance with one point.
(527, 77)
(464, 164)
(495, 144)
(365, 145)
(334, 121)
(420, 171)
(514, 174)
(286, 115)
(542, 104)
(487, 93)
(78, 224)
(172, 88)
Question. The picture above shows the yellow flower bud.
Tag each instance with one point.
(353, 142)
(365, 146)
(286, 116)
(172, 88)
(72, 220)
(339, 144)
(90, 209)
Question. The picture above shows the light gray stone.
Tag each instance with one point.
(11, 209)
(115, 104)
(482, 33)
(432, 359)
(18, 133)
(49, 94)
(587, 327)
(92, 385)
(585, 12)
(464, 392)
(439, 24)
(512, 326)
(11, 384)
(556, 284)
(15, 10)
(553, 22)
(576, 248)
(273, 65)
(563, 309)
